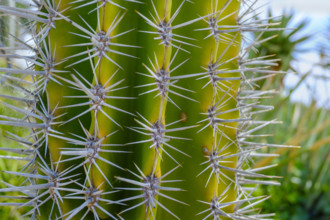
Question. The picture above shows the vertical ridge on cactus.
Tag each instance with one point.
(137, 109)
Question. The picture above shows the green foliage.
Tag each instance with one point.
(6, 163)
(304, 192)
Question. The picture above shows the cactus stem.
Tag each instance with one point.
(216, 205)
(164, 28)
(162, 80)
(157, 135)
(150, 187)
(93, 148)
(101, 41)
(97, 95)
(93, 197)
(226, 105)
(101, 3)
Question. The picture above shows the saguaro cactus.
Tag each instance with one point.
(137, 109)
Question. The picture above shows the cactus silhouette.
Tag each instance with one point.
(137, 109)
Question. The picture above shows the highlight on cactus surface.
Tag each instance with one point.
(136, 109)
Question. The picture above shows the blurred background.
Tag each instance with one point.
(303, 106)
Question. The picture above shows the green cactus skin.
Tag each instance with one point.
(139, 110)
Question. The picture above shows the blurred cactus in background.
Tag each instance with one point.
(284, 44)
(136, 109)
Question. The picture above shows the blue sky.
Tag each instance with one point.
(318, 12)
(312, 7)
